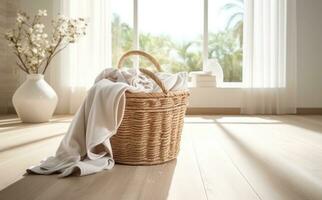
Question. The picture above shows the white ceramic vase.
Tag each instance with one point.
(35, 101)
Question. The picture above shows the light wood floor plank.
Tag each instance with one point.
(187, 181)
(221, 178)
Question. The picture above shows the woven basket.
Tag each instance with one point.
(151, 129)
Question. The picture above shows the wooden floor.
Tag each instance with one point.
(222, 157)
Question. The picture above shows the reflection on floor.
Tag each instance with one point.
(222, 157)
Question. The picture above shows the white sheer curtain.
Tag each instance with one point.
(74, 71)
(269, 57)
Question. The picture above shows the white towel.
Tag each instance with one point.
(86, 147)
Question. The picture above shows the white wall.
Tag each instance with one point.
(32, 6)
(8, 68)
(309, 25)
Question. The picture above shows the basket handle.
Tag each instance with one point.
(140, 53)
(145, 71)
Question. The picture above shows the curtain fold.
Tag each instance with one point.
(75, 69)
(269, 71)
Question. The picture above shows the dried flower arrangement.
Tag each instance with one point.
(34, 48)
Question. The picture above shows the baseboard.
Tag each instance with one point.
(309, 111)
(213, 111)
(236, 111)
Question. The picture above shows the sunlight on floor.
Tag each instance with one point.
(233, 119)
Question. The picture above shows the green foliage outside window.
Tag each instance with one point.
(226, 46)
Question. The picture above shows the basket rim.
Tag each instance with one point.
(158, 109)
(129, 94)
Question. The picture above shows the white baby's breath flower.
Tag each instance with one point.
(31, 41)
(33, 61)
(39, 28)
(34, 50)
(47, 45)
(27, 53)
(24, 49)
(42, 12)
(39, 37)
(21, 17)
(32, 37)
(62, 17)
(52, 44)
(42, 54)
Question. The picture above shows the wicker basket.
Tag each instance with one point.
(151, 129)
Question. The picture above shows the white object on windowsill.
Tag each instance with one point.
(213, 67)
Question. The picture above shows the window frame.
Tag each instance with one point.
(205, 57)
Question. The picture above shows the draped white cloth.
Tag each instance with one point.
(73, 71)
(269, 71)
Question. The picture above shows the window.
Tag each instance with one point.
(225, 36)
(181, 34)
(174, 37)
(122, 29)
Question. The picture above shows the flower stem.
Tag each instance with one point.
(52, 54)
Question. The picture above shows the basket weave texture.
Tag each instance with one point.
(150, 131)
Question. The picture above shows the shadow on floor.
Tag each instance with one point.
(283, 177)
(312, 123)
(6, 126)
(122, 182)
(7, 148)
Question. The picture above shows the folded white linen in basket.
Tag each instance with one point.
(86, 147)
